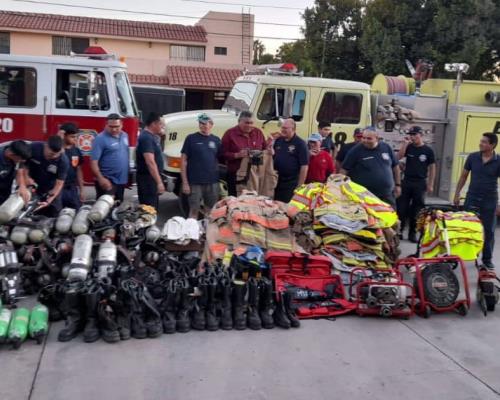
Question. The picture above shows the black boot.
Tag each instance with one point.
(122, 308)
(198, 321)
(280, 316)
(52, 296)
(91, 331)
(152, 316)
(169, 307)
(212, 318)
(137, 325)
(239, 305)
(226, 320)
(73, 307)
(183, 324)
(253, 318)
(290, 312)
(266, 303)
(107, 322)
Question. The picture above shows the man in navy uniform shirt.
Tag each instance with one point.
(48, 167)
(482, 196)
(372, 164)
(149, 162)
(110, 159)
(200, 166)
(291, 160)
(72, 193)
(419, 173)
(11, 157)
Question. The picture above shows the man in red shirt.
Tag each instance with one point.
(320, 161)
(236, 144)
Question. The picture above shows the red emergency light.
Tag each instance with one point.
(92, 50)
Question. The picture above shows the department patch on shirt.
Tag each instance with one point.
(422, 158)
(52, 169)
(291, 148)
(74, 161)
(211, 145)
(385, 156)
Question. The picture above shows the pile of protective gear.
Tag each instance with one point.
(19, 324)
(461, 229)
(248, 220)
(346, 222)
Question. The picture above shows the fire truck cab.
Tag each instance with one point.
(38, 94)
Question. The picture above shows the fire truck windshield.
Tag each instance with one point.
(126, 101)
(241, 97)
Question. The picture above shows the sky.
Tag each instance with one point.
(284, 12)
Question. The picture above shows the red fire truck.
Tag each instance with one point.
(38, 94)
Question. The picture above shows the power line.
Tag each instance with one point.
(243, 4)
(150, 13)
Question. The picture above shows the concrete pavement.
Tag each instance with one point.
(444, 357)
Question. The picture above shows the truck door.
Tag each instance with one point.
(279, 103)
(343, 109)
(81, 95)
(23, 101)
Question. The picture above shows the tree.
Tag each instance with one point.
(258, 51)
(295, 53)
(266, 58)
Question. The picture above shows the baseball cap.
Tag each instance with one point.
(358, 132)
(415, 129)
(315, 137)
(203, 118)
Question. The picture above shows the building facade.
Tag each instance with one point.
(204, 59)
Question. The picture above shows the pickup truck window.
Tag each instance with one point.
(340, 108)
(17, 86)
(273, 105)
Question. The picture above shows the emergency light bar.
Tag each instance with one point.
(95, 53)
(275, 69)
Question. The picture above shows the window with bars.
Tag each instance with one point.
(4, 42)
(63, 45)
(187, 53)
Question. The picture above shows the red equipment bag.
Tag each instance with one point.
(298, 264)
(314, 296)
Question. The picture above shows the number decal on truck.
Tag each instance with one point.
(6, 125)
(172, 136)
(340, 138)
(496, 129)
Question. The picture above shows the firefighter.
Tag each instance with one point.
(48, 168)
(420, 171)
(236, 144)
(72, 193)
(200, 166)
(482, 195)
(374, 166)
(11, 157)
(358, 135)
(291, 159)
(320, 161)
(110, 159)
(149, 162)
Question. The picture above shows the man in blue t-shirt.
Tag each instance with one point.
(110, 159)
(11, 157)
(291, 160)
(482, 196)
(200, 166)
(48, 167)
(72, 193)
(149, 162)
(372, 164)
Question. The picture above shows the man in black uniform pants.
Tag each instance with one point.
(419, 174)
(48, 167)
(10, 157)
(149, 162)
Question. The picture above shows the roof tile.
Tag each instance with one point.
(202, 77)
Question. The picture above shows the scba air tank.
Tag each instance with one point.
(106, 259)
(101, 208)
(81, 259)
(80, 223)
(10, 208)
(65, 220)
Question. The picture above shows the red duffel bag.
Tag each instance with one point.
(298, 264)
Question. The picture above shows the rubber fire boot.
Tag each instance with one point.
(290, 312)
(266, 303)
(152, 316)
(212, 319)
(199, 321)
(183, 324)
(239, 306)
(91, 330)
(72, 306)
(280, 316)
(107, 322)
(122, 308)
(169, 307)
(137, 325)
(253, 318)
(226, 320)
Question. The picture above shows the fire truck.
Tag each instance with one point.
(38, 94)
(453, 112)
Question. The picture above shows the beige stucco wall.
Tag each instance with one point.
(30, 44)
